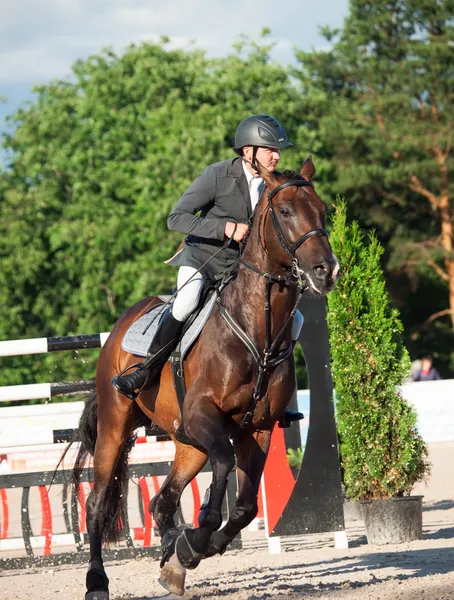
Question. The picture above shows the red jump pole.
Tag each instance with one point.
(196, 498)
(148, 521)
(83, 508)
(46, 524)
(4, 524)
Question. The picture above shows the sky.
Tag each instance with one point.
(41, 39)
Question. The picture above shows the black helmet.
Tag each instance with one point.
(260, 130)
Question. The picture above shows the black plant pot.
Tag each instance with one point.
(393, 521)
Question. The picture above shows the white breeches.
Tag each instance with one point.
(188, 298)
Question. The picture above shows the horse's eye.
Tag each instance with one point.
(284, 212)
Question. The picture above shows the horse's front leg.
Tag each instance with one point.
(204, 422)
(251, 452)
(187, 464)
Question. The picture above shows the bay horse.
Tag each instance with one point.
(240, 376)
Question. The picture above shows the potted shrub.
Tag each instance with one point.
(382, 453)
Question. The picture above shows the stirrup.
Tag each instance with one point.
(131, 394)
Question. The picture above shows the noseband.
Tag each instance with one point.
(290, 248)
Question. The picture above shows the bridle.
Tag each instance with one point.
(272, 355)
(290, 248)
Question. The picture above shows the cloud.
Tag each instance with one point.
(40, 40)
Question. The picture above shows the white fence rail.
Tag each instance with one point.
(47, 391)
(433, 400)
(52, 344)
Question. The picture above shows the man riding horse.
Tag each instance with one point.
(240, 372)
(226, 194)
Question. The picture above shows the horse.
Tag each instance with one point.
(240, 377)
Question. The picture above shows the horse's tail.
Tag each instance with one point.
(86, 434)
(114, 506)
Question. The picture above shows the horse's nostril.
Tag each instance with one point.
(321, 271)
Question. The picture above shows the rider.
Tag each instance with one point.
(225, 194)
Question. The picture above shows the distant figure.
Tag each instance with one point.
(415, 368)
(426, 372)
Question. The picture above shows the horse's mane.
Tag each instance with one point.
(292, 175)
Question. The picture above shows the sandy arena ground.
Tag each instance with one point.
(309, 567)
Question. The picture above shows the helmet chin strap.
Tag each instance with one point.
(254, 158)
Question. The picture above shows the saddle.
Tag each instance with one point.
(140, 334)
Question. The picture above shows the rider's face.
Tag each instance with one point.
(268, 157)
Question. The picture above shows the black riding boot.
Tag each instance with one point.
(164, 343)
(288, 417)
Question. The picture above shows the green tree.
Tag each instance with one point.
(382, 453)
(384, 117)
(96, 164)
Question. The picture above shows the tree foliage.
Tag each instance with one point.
(385, 116)
(97, 163)
(381, 451)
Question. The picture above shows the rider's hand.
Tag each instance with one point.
(240, 233)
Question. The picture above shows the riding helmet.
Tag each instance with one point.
(260, 130)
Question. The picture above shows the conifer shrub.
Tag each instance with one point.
(382, 453)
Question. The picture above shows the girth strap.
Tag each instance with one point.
(180, 390)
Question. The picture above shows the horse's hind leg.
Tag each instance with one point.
(204, 422)
(187, 464)
(106, 499)
(251, 453)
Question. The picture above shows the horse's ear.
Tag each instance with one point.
(308, 169)
(269, 178)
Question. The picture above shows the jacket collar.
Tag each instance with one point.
(237, 173)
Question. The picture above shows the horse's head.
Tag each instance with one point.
(292, 227)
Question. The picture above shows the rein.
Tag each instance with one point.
(271, 355)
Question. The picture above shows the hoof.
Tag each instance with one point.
(102, 595)
(173, 576)
(187, 557)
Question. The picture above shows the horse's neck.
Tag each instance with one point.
(245, 297)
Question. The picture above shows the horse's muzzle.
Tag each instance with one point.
(323, 276)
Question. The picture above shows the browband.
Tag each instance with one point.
(293, 182)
